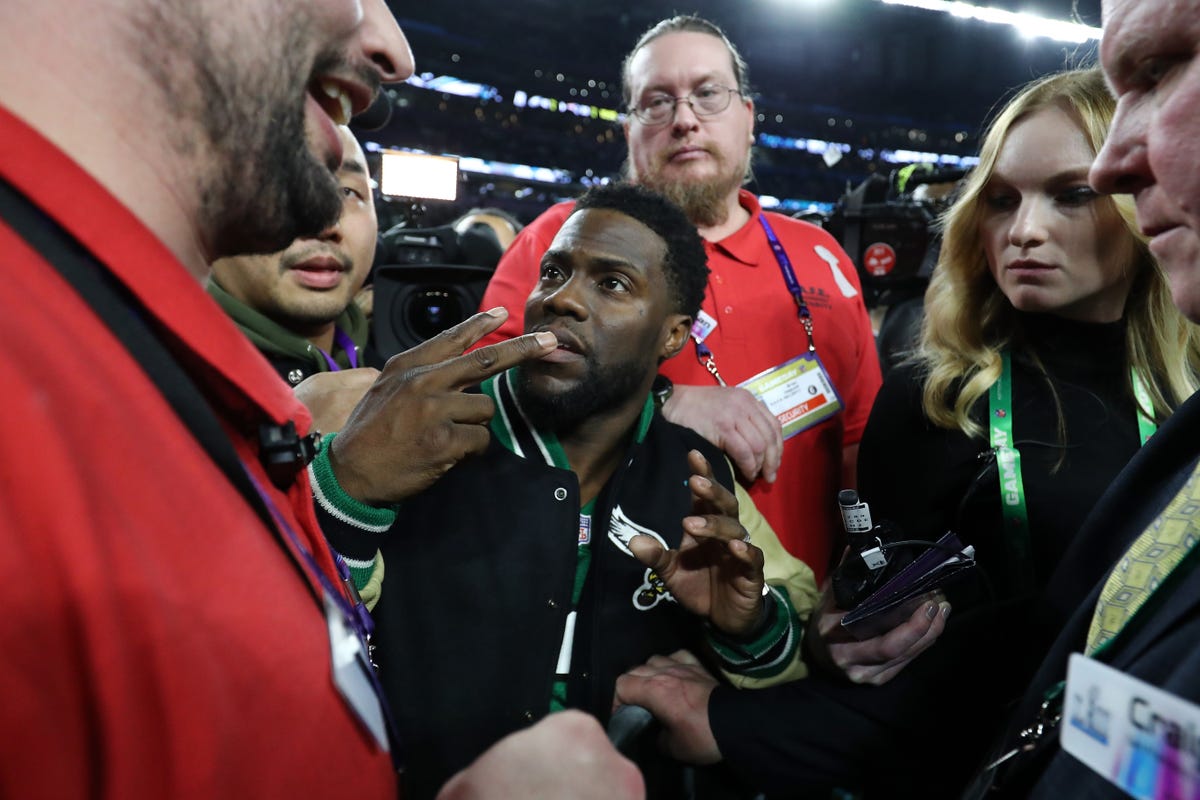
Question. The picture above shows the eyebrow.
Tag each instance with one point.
(708, 77)
(353, 167)
(604, 262)
(1073, 173)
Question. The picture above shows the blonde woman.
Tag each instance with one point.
(1039, 273)
(1049, 352)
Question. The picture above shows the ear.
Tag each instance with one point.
(676, 329)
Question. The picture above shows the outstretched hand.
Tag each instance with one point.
(876, 660)
(734, 420)
(416, 422)
(716, 572)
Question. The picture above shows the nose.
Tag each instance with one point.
(685, 118)
(332, 234)
(1028, 228)
(1122, 166)
(384, 44)
(565, 300)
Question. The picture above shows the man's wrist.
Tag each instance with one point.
(331, 496)
(765, 619)
(762, 653)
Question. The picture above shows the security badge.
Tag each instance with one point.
(798, 392)
(352, 671)
(1140, 738)
(703, 326)
(620, 530)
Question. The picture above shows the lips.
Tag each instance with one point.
(340, 98)
(569, 345)
(567, 340)
(1152, 229)
(688, 153)
(1161, 243)
(1029, 265)
(320, 272)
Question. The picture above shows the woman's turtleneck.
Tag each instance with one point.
(1088, 368)
(1074, 350)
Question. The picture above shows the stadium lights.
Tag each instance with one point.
(1029, 25)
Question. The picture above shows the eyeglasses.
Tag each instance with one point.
(705, 101)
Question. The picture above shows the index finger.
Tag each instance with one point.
(471, 368)
(455, 340)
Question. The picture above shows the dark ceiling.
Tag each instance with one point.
(855, 57)
(852, 71)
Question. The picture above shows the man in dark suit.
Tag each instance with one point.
(1135, 627)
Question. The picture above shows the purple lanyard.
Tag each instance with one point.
(789, 277)
(357, 615)
(705, 355)
(342, 340)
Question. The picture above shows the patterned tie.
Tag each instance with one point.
(1147, 563)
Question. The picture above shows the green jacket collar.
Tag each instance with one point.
(274, 339)
(520, 435)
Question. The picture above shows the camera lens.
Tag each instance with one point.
(431, 311)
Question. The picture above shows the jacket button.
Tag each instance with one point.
(528, 716)
(295, 376)
(560, 493)
(551, 603)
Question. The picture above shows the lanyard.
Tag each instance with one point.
(343, 340)
(1008, 457)
(1049, 715)
(356, 614)
(705, 355)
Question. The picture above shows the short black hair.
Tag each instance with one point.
(686, 264)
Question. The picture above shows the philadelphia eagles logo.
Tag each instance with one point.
(620, 530)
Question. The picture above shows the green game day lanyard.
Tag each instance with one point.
(1008, 458)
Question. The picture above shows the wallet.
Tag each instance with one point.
(895, 600)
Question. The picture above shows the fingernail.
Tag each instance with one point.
(703, 483)
(931, 611)
(545, 338)
(945, 611)
(498, 311)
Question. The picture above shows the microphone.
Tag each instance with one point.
(626, 726)
(856, 515)
(860, 530)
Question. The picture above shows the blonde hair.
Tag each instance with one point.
(969, 321)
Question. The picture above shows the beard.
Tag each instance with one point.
(705, 200)
(601, 389)
(241, 113)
